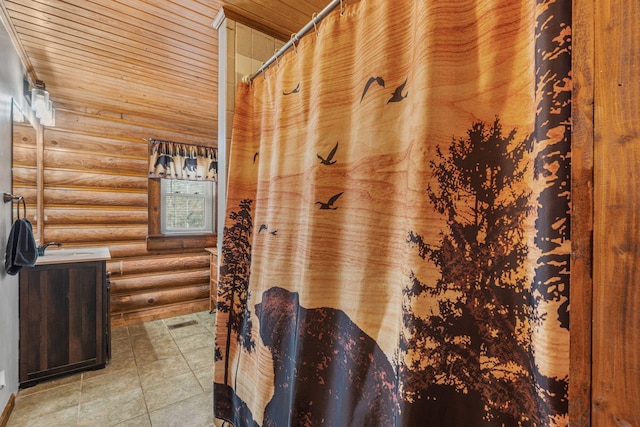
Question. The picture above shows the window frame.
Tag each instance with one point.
(157, 241)
(209, 209)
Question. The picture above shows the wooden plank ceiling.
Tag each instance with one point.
(138, 60)
(280, 18)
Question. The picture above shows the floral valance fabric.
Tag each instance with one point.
(182, 161)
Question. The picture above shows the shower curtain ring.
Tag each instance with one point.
(293, 42)
(313, 19)
(341, 9)
(275, 53)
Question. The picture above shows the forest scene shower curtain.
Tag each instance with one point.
(396, 245)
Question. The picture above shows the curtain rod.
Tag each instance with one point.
(296, 37)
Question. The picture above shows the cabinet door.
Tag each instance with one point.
(60, 319)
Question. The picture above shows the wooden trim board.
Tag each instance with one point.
(6, 413)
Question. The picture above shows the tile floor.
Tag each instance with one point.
(159, 375)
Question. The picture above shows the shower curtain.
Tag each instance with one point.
(396, 245)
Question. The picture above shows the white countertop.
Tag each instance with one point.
(54, 255)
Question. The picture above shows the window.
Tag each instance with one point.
(187, 207)
(182, 214)
(182, 196)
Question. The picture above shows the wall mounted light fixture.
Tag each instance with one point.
(42, 105)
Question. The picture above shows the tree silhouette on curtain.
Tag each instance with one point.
(232, 296)
(233, 286)
(473, 350)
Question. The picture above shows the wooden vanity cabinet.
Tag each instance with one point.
(64, 320)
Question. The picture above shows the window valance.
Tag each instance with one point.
(176, 160)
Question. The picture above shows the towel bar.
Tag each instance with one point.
(9, 197)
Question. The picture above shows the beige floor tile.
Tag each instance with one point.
(205, 377)
(206, 318)
(112, 383)
(146, 352)
(194, 342)
(120, 345)
(196, 411)
(154, 328)
(171, 390)
(200, 358)
(118, 362)
(180, 319)
(140, 421)
(161, 369)
(186, 331)
(112, 409)
(117, 333)
(49, 401)
(150, 340)
(205, 315)
(63, 418)
(156, 377)
(49, 384)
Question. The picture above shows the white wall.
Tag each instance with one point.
(11, 86)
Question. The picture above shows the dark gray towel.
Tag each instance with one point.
(21, 247)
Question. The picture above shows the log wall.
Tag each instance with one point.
(616, 240)
(94, 190)
(581, 291)
(604, 388)
(95, 194)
